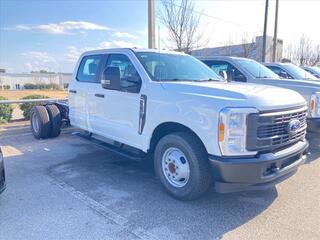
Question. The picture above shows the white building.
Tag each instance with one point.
(16, 81)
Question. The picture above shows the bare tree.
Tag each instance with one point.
(247, 46)
(304, 53)
(182, 22)
(226, 50)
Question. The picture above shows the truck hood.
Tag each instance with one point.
(297, 82)
(262, 97)
(304, 87)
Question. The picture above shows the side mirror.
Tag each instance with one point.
(111, 78)
(283, 74)
(223, 74)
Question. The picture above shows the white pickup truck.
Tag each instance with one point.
(198, 128)
(247, 70)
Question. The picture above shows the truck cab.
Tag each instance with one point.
(238, 69)
(199, 129)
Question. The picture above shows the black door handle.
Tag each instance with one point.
(72, 91)
(99, 95)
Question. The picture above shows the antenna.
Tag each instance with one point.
(159, 55)
(159, 51)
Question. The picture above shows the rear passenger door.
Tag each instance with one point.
(226, 70)
(85, 80)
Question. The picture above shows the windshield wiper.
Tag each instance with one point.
(262, 77)
(209, 80)
(177, 80)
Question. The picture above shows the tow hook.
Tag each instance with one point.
(275, 169)
(272, 170)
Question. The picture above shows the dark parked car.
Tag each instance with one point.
(2, 175)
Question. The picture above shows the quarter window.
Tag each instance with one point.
(88, 68)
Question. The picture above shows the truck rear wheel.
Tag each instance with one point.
(181, 165)
(55, 120)
(40, 122)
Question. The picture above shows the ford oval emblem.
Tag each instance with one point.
(293, 126)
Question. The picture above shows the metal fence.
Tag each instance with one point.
(46, 100)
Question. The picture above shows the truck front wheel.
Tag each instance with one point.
(181, 165)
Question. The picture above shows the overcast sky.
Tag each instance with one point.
(51, 34)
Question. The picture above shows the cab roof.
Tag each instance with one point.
(123, 50)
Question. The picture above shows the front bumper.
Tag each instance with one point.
(257, 173)
(313, 125)
(2, 174)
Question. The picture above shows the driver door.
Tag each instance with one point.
(118, 110)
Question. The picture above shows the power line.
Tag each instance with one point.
(210, 16)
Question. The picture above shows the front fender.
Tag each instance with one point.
(201, 119)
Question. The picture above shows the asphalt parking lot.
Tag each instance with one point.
(70, 188)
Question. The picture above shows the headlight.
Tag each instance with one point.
(314, 105)
(233, 131)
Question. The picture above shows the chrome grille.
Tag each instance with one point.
(270, 130)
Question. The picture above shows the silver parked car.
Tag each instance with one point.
(290, 71)
(315, 71)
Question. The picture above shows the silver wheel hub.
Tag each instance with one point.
(175, 167)
(35, 123)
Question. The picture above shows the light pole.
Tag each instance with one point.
(151, 24)
(264, 43)
(275, 35)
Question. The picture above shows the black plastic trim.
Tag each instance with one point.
(259, 172)
(142, 112)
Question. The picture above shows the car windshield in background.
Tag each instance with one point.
(298, 73)
(256, 69)
(316, 70)
(175, 67)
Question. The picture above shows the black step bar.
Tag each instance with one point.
(117, 150)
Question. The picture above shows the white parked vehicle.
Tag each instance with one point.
(199, 128)
(247, 70)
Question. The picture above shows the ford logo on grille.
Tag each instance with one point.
(293, 126)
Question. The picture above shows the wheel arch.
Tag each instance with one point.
(166, 128)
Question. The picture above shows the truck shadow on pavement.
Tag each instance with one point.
(130, 189)
(314, 148)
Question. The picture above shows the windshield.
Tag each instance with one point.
(175, 67)
(256, 69)
(298, 73)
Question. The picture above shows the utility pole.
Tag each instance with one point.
(275, 35)
(264, 43)
(151, 24)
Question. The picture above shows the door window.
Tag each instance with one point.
(280, 72)
(88, 69)
(226, 70)
(130, 80)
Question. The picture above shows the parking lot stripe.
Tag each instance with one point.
(139, 232)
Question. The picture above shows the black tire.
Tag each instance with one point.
(41, 128)
(200, 175)
(55, 120)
